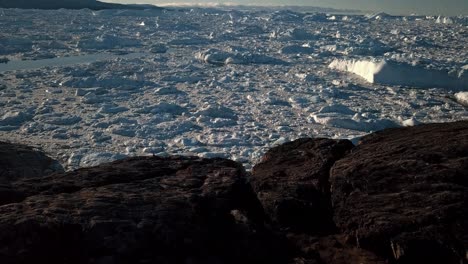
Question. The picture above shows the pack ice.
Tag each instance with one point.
(94, 86)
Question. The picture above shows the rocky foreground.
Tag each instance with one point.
(399, 196)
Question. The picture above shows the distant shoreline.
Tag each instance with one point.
(69, 4)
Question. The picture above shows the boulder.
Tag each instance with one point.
(403, 193)
(139, 210)
(292, 183)
(20, 161)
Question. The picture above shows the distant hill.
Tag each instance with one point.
(68, 4)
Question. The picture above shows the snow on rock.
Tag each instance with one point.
(462, 98)
(394, 73)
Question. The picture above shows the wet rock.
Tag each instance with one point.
(403, 193)
(292, 183)
(139, 210)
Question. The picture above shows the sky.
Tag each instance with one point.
(397, 7)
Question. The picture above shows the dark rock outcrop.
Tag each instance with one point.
(20, 161)
(139, 210)
(403, 193)
(68, 4)
(292, 183)
(400, 196)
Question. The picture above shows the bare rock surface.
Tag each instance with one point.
(292, 183)
(20, 161)
(138, 210)
(403, 193)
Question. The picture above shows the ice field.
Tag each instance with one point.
(94, 86)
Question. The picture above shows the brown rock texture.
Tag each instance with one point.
(20, 161)
(292, 183)
(403, 193)
(139, 210)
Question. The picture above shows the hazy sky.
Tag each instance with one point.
(433, 7)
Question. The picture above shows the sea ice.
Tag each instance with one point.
(394, 73)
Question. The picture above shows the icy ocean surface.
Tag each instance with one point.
(90, 87)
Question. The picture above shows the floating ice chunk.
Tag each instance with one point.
(95, 159)
(111, 109)
(295, 34)
(444, 20)
(168, 90)
(462, 98)
(163, 108)
(296, 49)
(187, 142)
(298, 101)
(14, 118)
(394, 73)
(216, 111)
(306, 77)
(221, 122)
(107, 42)
(59, 119)
(194, 40)
(168, 108)
(158, 48)
(337, 108)
(215, 56)
(98, 137)
(80, 92)
(53, 91)
(343, 121)
(91, 98)
(368, 47)
(378, 16)
(167, 130)
(211, 155)
(122, 130)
